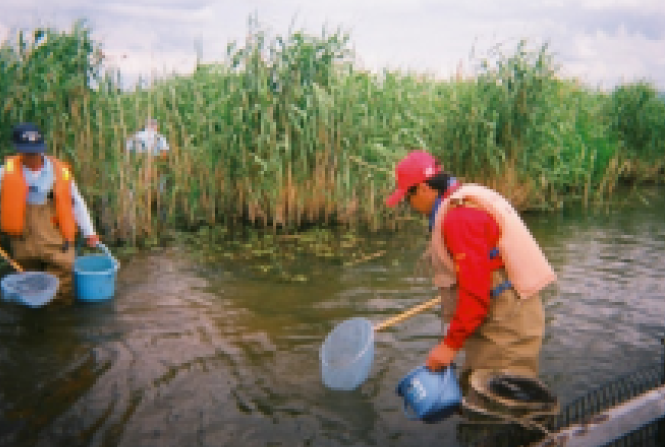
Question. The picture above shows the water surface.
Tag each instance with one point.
(191, 354)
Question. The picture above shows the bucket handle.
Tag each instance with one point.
(107, 252)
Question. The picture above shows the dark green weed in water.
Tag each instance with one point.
(281, 256)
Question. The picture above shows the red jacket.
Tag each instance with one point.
(470, 234)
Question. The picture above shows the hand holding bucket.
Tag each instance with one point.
(347, 353)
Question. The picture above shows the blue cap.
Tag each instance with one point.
(28, 139)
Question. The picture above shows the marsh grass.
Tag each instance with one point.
(287, 133)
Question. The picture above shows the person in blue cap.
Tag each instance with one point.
(41, 209)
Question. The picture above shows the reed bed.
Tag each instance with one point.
(287, 132)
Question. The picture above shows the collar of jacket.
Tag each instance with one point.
(452, 186)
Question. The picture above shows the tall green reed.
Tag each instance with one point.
(287, 131)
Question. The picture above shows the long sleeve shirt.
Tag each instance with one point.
(147, 140)
(45, 181)
(470, 234)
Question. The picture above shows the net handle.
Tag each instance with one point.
(11, 261)
(409, 313)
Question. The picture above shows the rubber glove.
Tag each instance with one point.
(440, 357)
(92, 241)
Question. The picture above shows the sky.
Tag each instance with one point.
(602, 43)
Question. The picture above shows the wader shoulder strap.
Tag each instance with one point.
(498, 290)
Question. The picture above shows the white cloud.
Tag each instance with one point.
(599, 40)
(644, 6)
(150, 65)
(605, 59)
(4, 32)
(142, 12)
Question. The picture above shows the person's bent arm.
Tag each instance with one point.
(469, 235)
(82, 217)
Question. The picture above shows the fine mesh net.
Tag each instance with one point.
(31, 284)
(33, 289)
(347, 354)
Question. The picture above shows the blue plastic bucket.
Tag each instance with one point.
(430, 396)
(94, 277)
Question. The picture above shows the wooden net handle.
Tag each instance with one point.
(11, 261)
(409, 313)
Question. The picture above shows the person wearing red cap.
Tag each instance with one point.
(487, 266)
(41, 209)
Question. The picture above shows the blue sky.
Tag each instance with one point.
(601, 42)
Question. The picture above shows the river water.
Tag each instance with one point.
(191, 354)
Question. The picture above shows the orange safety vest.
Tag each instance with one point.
(14, 197)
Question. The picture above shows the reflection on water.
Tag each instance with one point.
(189, 355)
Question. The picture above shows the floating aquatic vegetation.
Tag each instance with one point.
(285, 257)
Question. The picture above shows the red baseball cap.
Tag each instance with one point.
(412, 170)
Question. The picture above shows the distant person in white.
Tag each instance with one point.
(148, 140)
